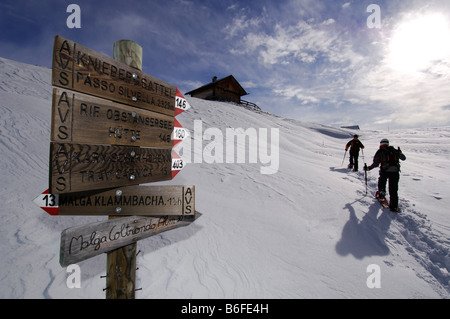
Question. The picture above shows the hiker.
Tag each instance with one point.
(389, 159)
(355, 145)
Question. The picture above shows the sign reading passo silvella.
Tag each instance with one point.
(112, 128)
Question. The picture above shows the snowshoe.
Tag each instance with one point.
(382, 199)
(385, 203)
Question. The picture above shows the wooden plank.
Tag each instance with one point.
(81, 69)
(130, 200)
(82, 167)
(80, 118)
(83, 242)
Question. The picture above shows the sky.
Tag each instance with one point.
(377, 64)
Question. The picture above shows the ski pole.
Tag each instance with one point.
(365, 175)
(345, 154)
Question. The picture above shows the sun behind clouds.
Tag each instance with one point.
(418, 43)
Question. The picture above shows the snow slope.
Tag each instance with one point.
(308, 231)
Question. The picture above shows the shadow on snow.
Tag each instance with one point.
(365, 237)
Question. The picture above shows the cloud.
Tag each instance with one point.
(306, 62)
(346, 5)
(240, 24)
(408, 82)
(315, 60)
(304, 42)
(305, 96)
(319, 68)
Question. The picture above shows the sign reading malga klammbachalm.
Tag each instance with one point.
(144, 200)
(80, 118)
(81, 69)
(83, 242)
(81, 167)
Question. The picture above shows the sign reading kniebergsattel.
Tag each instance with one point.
(81, 69)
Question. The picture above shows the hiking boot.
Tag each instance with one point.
(394, 209)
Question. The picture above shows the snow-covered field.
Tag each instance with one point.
(307, 231)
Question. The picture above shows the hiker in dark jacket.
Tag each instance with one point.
(355, 145)
(388, 158)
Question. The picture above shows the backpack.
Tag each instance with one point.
(389, 160)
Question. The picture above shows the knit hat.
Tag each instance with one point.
(384, 141)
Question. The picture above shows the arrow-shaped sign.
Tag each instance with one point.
(179, 133)
(144, 200)
(181, 104)
(177, 163)
(48, 202)
(83, 242)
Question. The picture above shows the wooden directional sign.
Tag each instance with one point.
(82, 167)
(123, 201)
(83, 242)
(80, 118)
(81, 69)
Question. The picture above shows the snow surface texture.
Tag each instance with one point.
(308, 231)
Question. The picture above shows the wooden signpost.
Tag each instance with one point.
(80, 69)
(80, 167)
(80, 118)
(122, 201)
(83, 242)
(113, 127)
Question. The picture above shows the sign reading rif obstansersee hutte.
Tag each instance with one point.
(81, 118)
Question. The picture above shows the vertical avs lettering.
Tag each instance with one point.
(63, 110)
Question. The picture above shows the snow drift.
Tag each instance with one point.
(307, 231)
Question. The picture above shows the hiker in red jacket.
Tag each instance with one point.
(388, 158)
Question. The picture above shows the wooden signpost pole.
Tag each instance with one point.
(121, 262)
(113, 128)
